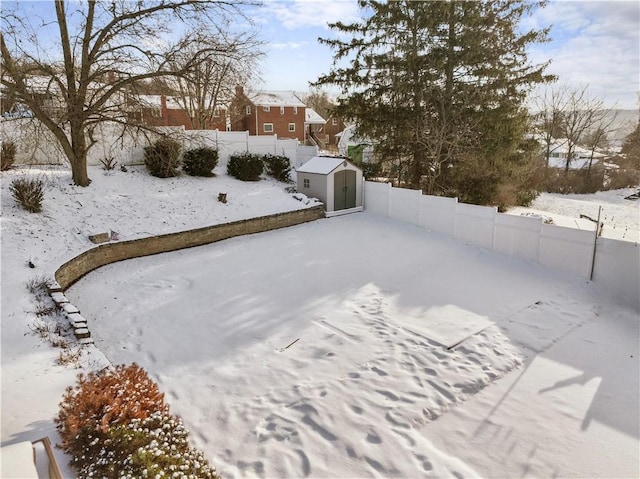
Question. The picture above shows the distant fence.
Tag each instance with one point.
(37, 145)
(616, 266)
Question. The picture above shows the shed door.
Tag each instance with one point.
(344, 190)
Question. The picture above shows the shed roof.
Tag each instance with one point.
(321, 165)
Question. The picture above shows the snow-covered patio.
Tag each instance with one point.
(323, 350)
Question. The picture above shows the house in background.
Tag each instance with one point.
(358, 149)
(278, 113)
(314, 125)
(332, 129)
(167, 110)
(580, 157)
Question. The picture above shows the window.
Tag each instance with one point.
(282, 110)
(292, 127)
(295, 110)
(266, 108)
(305, 183)
(268, 127)
(247, 110)
(216, 111)
(334, 122)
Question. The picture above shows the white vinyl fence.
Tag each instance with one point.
(616, 266)
(36, 145)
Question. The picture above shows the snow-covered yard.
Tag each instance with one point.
(356, 346)
(620, 217)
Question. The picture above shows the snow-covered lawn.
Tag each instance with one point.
(355, 346)
(620, 216)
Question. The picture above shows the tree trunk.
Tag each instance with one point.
(79, 158)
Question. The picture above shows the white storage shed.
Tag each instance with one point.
(333, 180)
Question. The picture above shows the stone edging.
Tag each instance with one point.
(108, 253)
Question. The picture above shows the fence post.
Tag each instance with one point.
(595, 242)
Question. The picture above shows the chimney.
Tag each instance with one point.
(239, 91)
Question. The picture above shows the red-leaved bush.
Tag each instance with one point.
(105, 399)
(115, 423)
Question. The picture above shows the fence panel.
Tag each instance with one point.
(376, 197)
(617, 268)
(566, 249)
(517, 236)
(263, 144)
(438, 213)
(475, 224)
(404, 205)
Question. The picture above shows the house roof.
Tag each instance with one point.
(276, 98)
(155, 101)
(321, 165)
(311, 117)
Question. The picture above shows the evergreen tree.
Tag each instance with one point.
(631, 147)
(439, 86)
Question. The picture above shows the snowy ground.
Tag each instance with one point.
(620, 217)
(544, 382)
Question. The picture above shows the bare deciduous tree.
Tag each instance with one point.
(550, 107)
(227, 59)
(86, 54)
(580, 116)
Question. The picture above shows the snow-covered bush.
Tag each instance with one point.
(200, 161)
(28, 192)
(245, 166)
(162, 158)
(157, 446)
(278, 167)
(115, 424)
(100, 401)
(7, 155)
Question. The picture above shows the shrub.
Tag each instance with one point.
(370, 169)
(245, 166)
(200, 161)
(161, 158)
(157, 446)
(278, 167)
(115, 424)
(102, 400)
(108, 163)
(7, 155)
(29, 193)
(38, 285)
(574, 181)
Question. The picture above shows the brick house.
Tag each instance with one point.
(278, 113)
(333, 126)
(163, 110)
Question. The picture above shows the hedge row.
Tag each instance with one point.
(163, 160)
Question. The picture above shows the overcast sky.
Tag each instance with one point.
(592, 43)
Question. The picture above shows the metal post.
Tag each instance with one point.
(595, 242)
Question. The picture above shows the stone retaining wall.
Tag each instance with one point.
(105, 254)
(108, 253)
